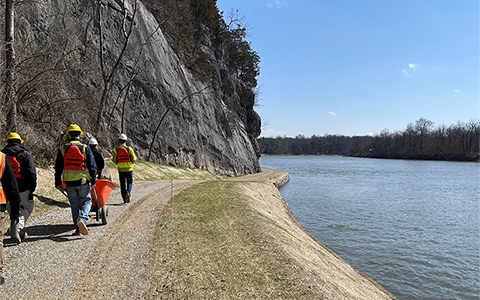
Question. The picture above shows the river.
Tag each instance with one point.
(412, 226)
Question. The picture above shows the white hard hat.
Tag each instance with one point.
(93, 142)
(122, 137)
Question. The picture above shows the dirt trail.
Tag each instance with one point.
(109, 263)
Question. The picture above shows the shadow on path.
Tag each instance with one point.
(50, 201)
(49, 229)
(55, 232)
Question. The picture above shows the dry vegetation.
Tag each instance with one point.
(210, 245)
(238, 240)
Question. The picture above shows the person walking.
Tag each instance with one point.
(97, 155)
(8, 195)
(23, 166)
(76, 166)
(124, 157)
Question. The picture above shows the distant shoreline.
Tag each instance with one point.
(477, 160)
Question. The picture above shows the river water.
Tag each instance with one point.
(412, 226)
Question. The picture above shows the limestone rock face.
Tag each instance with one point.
(169, 115)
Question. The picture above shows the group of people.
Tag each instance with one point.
(77, 168)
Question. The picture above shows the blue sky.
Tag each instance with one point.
(356, 67)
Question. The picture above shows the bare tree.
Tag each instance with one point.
(125, 90)
(10, 101)
(109, 76)
(165, 114)
(237, 20)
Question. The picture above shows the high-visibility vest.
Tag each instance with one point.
(123, 157)
(3, 197)
(15, 162)
(74, 162)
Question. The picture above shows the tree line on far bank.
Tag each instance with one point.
(420, 140)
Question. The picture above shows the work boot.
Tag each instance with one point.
(82, 227)
(23, 234)
(14, 232)
(76, 232)
(127, 198)
(16, 239)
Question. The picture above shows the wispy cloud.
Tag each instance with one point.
(268, 132)
(458, 91)
(370, 133)
(412, 68)
(332, 113)
(277, 4)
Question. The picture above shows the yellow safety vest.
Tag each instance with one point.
(124, 161)
(74, 162)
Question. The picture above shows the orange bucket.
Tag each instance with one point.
(103, 189)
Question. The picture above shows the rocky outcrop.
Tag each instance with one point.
(282, 181)
(170, 116)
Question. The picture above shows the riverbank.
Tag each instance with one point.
(222, 238)
(237, 239)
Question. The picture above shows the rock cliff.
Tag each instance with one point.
(138, 82)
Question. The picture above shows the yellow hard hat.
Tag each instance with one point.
(13, 136)
(74, 127)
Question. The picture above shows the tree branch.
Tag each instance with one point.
(163, 117)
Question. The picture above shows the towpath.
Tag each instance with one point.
(109, 263)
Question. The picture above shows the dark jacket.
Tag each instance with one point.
(91, 166)
(99, 161)
(9, 184)
(27, 167)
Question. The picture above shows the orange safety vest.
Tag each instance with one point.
(3, 197)
(74, 162)
(14, 161)
(123, 156)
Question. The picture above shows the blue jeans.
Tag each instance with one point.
(128, 178)
(77, 194)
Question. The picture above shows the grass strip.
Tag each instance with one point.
(209, 244)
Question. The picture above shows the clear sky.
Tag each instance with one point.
(356, 67)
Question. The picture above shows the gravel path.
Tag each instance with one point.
(265, 174)
(109, 263)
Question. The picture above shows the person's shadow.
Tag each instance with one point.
(51, 202)
(54, 232)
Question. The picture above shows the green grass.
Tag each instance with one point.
(211, 245)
